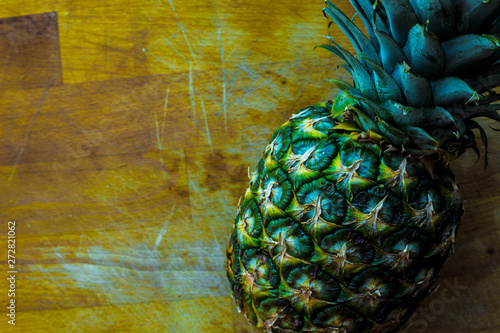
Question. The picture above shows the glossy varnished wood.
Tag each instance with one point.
(126, 131)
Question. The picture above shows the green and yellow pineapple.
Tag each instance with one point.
(353, 209)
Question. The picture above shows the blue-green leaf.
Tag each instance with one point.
(449, 91)
(342, 85)
(357, 38)
(417, 90)
(424, 52)
(474, 13)
(367, 22)
(401, 18)
(466, 50)
(440, 15)
(391, 53)
(362, 79)
(387, 87)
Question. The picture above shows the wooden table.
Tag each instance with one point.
(126, 131)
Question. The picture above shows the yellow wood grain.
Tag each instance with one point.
(125, 139)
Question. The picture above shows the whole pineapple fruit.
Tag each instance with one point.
(353, 210)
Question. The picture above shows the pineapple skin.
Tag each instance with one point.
(337, 231)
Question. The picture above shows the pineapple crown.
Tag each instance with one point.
(426, 70)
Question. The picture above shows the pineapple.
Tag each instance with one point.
(352, 211)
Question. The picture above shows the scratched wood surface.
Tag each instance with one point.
(126, 131)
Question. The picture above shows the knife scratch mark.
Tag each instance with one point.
(188, 43)
(160, 133)
(191, 92)
(167, 41)
(224, 95)
(163, 230)
(216, 241)
(235, 47)
(147, 13)
(242, 64)
(251, 74)
(31, 125)
(304, 28)
(206, 125)
(164, 115)
(79, 247)
(70, 11)
(158, 3)
(95, 259)
(196, 188)
(161, 60)
(183, 30)
(58, 254)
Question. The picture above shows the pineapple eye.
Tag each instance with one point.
(347, 245)
(280, 195)
(279, 143)
(249, 224)
(280, 314)
(389, 213)
(291, 240)
(331, 203)
(373, 282)
(338, 316)
(301, 284)
(260, 269)
(321, 152)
